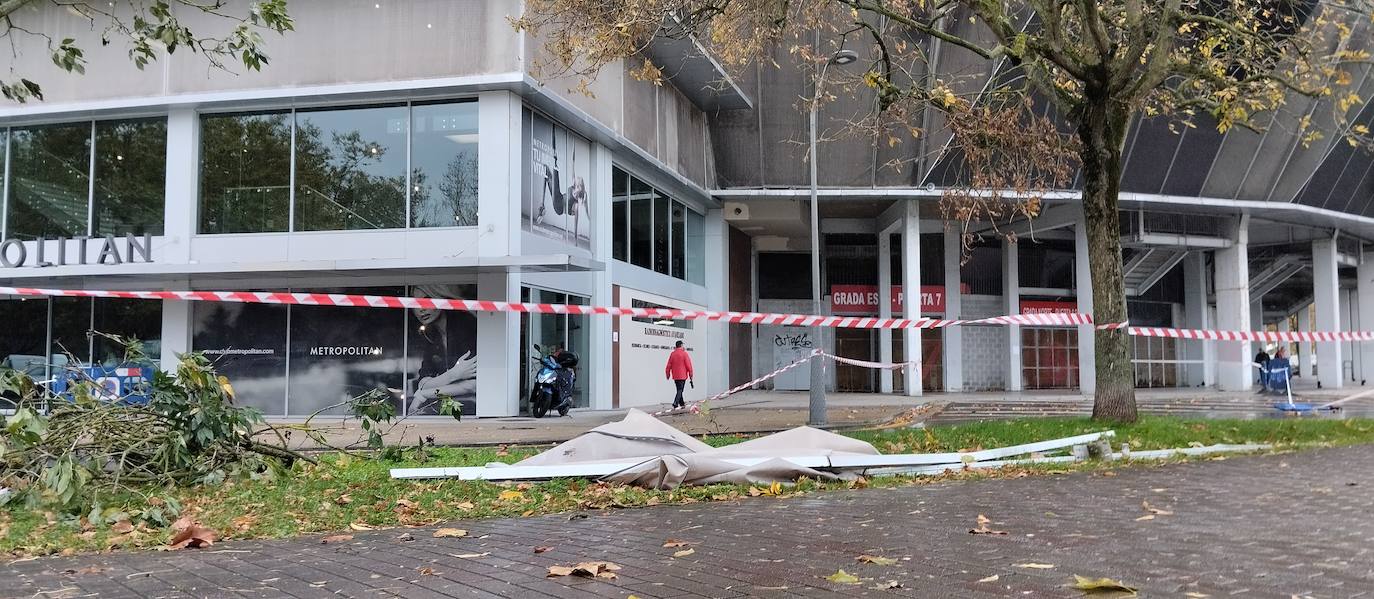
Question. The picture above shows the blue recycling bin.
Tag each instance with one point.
(123, 384)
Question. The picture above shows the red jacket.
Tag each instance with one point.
(679, 366)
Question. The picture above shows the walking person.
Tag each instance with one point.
(1262, 362)
(679, 370)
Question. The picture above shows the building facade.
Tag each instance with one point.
(412, 148)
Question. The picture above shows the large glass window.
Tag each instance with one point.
(553, 332)
(132, 319)
(354, 168)
(26, 333)
(350, 169)
(50, 184)
(130, 177)
(45, 335)
(654, 231)
(443, 164)
(247, 343)
(245, 173)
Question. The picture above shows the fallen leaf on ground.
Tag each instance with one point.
(684, 552)
(1101, 585)
(121, 527)
(876, 560)
(466, 506)
(444, 533)
(1035, 566)
(842, 577)
(672, 543)
(586, 570)
(344, 499)
(405, 536)
(472, 555)
(1196, 595)
(983, 529)
(244, 522)
(1145, 517)
(542, 549)
(86, 570)
(426, 571)
(193, 536)
(359, 526)
(1154, 510)
(992, 578)
(336, 539)
(511, 495)
(891, 584)
(502, 451)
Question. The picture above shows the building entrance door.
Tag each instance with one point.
(859, 345)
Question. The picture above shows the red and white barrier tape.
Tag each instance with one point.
(432, 303)
(801, 320)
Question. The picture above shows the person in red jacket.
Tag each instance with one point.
(679, 370)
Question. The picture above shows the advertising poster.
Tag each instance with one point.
(557, 171)
(442, 350)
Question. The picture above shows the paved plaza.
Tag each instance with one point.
(1272, 526)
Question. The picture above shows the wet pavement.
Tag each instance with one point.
(1267, 526)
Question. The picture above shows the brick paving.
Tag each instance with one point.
(1269, 526)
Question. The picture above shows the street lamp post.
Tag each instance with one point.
(817, 415)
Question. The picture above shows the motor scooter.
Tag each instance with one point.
(553, 382)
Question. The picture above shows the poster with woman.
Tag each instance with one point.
(557, 170)
(442, 351)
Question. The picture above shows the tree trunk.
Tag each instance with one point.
(1101, 124)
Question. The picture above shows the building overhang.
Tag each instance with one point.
(693, 71)
(1353, 225)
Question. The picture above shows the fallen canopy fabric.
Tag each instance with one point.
(672, 458)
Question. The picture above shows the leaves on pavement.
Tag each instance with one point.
(543, 548)
(444, 533)
(336, 539)
(1154, 510)
(992, 578)
(842, 577)
(684, 552)
(586, 570)
(1035, 566)
(674, 543)
(1101, 585)
(983, 522)
(191, 534)
(876, 560)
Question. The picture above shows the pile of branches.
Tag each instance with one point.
(71, 451)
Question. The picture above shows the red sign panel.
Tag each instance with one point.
(1048, 307)
(863, 299)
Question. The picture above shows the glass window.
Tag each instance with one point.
(26, 332)
(696, 248)
(661, 235)
(338, 353)
(679, 241)
(130, 176)
(129, 318)
(350, 169)
(443, 165)
(641, 224)
(50, 181)
(620, 214)
(441, 350)
(71, 321)
(245, 173)
(247, 343)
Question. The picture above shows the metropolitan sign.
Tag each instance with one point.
(74, 251)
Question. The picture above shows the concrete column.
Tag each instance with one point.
(911, 292)
(1364, 289)
(1011, 295)
(1234, 370)
(498, 349)
(599, 346)
(1087, 341)
(1305, 347)
(1195, 275)
(179, 212)
(718, 298)
(1326, 297)
(177, 323)
(885, 308)
(952, 351)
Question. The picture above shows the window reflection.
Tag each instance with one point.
(247, 344)
(441, 352)
(130, 176)
(49, 181)
(338, 353)
(443, 162)
(350, 169)
(245, 173)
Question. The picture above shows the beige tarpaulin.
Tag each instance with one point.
(673, 458)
